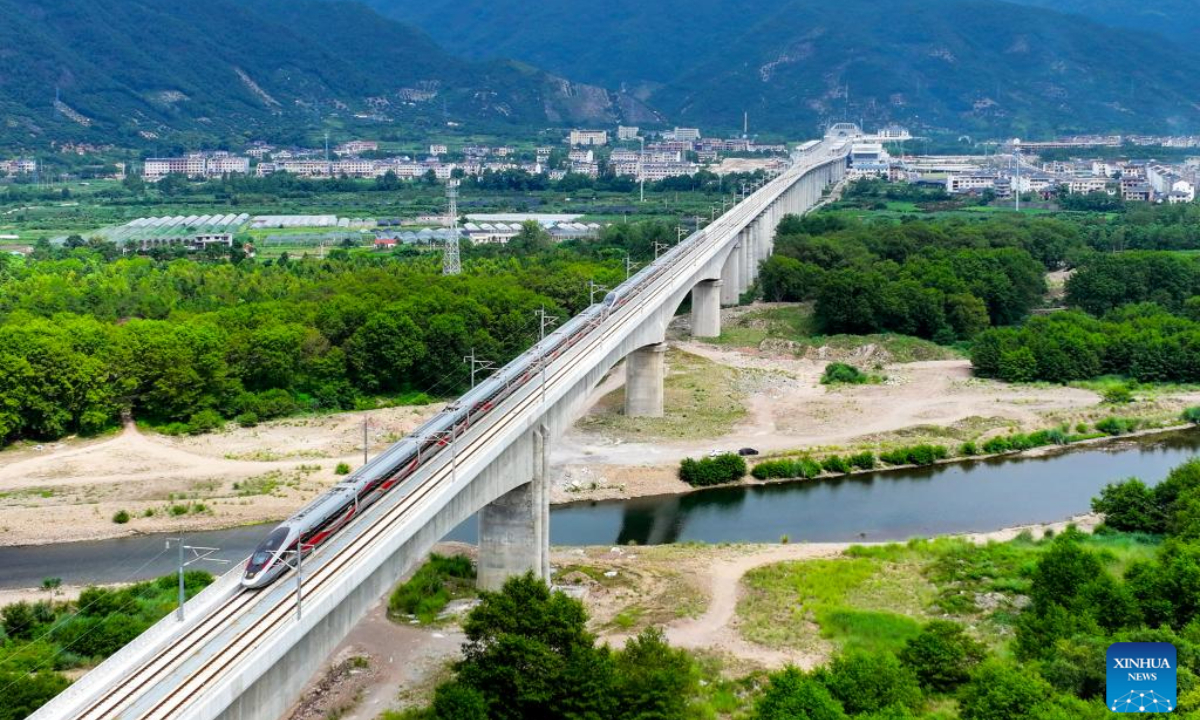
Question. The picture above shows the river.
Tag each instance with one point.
(975, 496)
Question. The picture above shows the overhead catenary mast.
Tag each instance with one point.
(451, 263)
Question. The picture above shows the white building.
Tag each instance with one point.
(196, 165)
(970, 182)
(627, 133)
(893, 133)
(1182, 191)
(868, 159)
(588, 137)
(356, 147)
(686, 134)
(19, 166)
(1087, 185)
(438, 149)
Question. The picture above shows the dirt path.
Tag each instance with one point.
(717, 629)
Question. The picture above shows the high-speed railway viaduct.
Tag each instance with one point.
(245, 654)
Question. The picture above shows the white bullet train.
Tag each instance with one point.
(329, 513)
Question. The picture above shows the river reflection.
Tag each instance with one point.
(966, 497)
(896, 505)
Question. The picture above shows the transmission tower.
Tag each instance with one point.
(451, 263)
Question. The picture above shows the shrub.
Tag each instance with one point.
(342, 469)
(1192, 415)
(247, 419)
(807, 468)
(915, 455)
(863, 460)
(430, 588)
(790, 695)
(725, 468)
(774, 469)
(1117, 426)
(1019, 442)
(999, 691)
(1055, 436)
(865, 682)
(204, 421)
(18, 620)
(942, 655)
(121, 517)
(24, 693)
(841, 373)
(175, 428)
(968, 449)
(1118, 395)
(1129, 507)
(997, 445)
(835, 464)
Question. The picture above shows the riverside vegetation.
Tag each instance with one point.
(927, 630)
(43, 639)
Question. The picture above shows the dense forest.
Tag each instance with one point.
(1132, 297)
(185, 343)
(1138, 314)
(188, 343)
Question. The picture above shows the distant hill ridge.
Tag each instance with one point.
(138, 70)
(968, 65)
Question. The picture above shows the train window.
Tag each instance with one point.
(268, 548)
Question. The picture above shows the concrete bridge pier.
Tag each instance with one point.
(706, 309)
(731, 278)
(514, 529)
(644, 372)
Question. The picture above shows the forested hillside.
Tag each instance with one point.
(974, 65)
(142, 71)
(1177, 20)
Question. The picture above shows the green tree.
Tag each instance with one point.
(1001, 691)
(384, 350)
(24, 694)
(791, 695)
(1129, 506)
(529, 654)
(942, 655)
(654, 681)
(868, 682)
(456, 701)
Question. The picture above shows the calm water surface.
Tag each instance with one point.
(967, 497)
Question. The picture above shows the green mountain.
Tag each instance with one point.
(1176, 20)
(150, 71)
(977, 66)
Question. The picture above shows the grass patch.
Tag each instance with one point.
(790, 604)
(703, 400)
(753, 327)
(791, 327)
(875, 598)
(265, 484)
(432, 587)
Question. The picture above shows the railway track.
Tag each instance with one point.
(250, 618)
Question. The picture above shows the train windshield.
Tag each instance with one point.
(267, 549)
